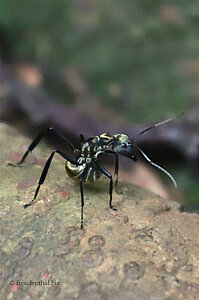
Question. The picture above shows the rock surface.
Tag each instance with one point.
(147, 250)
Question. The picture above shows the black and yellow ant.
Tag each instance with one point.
(85, 166)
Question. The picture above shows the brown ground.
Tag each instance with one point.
(148, 250)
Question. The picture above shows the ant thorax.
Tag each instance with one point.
(95, 146)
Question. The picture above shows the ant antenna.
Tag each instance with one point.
(156, 125)
(155, 165)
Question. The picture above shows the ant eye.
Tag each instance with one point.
(124, 145)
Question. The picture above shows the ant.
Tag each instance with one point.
(85, 165)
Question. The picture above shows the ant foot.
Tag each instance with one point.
(113, 211)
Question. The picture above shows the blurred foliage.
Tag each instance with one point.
(129, 51)
(190, 188)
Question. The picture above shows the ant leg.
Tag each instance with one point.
(111, 153)
(38, 139)
(105, 172)
(82, 194)
(82, 202)
(45, 171)
(30, 148)
(116, 171)
(82, 138)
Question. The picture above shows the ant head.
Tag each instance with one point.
(123, 145)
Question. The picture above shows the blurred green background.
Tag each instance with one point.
(139, 57)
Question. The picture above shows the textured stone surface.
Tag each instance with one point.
(148, 250)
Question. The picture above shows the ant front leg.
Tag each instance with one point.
(81, 179)
(116, 172)
(82, 203)
(105, 172)
(112, 153)
(45, 171)
(36, 141)
(82, 138)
